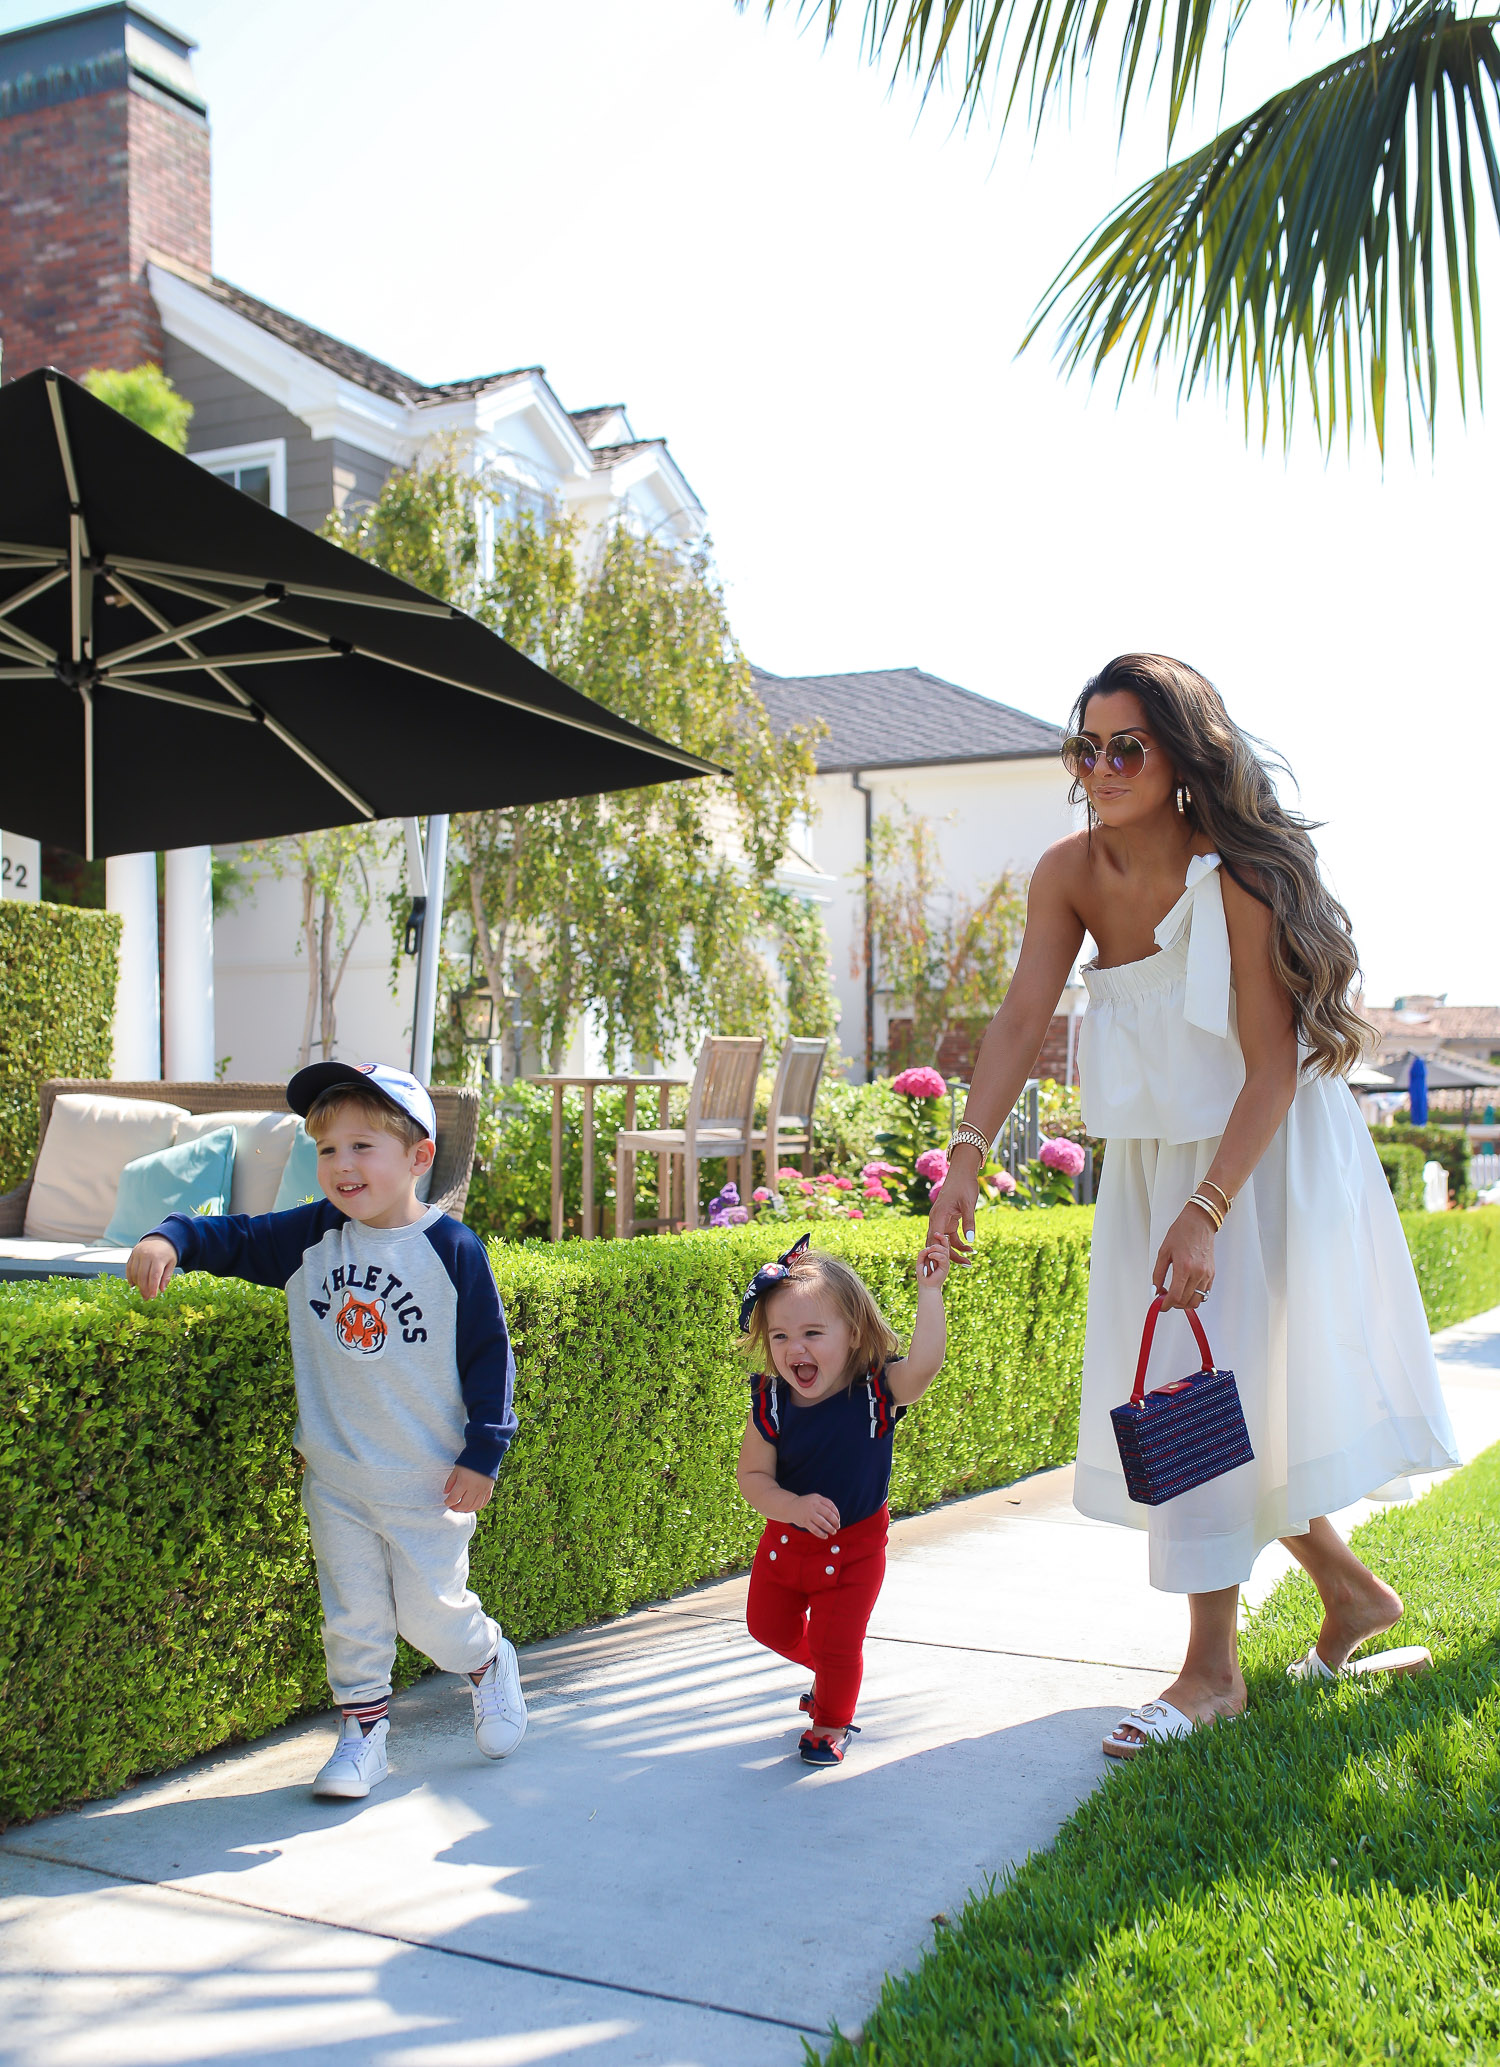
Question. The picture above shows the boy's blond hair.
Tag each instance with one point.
(875, 1340)
(380, 1112)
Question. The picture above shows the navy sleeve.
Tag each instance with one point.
(765, 1408)
(486, 1366)
(265, 1248)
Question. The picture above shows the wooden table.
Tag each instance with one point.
(589, 1085)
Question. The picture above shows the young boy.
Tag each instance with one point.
(404, 1380)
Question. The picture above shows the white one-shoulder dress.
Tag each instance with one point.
(1314, 1305)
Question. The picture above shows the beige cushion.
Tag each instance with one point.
(262, 1143)
(89, 1140)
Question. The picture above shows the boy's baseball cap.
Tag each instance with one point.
(398, 1085)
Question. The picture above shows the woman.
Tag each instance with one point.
(1239, 1176)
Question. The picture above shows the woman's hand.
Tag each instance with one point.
(950, 1217)
(1184, 1268)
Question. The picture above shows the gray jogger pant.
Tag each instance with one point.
(384, 1570)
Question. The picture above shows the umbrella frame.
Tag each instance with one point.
(171, 650)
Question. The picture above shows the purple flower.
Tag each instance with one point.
(933, 1165)
(920, 1083)
(1066, 1156)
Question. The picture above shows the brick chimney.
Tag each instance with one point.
(103, 160)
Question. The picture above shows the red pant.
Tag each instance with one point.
(812, 1601)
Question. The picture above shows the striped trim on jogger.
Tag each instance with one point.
(368, 1713)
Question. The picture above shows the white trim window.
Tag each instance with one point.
(258, 471)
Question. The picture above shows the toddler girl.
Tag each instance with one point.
(815, 1459)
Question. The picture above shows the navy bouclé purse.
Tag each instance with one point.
(1181, 1435)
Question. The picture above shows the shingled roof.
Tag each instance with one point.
(373, 375)
(902, 717)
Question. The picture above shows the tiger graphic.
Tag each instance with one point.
(361, 1324)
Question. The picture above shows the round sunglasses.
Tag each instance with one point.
(1122, 754)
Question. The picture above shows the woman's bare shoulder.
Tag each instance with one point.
(1064, 864)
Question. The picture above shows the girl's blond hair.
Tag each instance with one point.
(875, 1340)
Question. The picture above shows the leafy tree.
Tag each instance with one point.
(645, 908)
(1307, 244)
(334, 871)
(147, 397)
(946, 955)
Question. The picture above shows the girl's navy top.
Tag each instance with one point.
(841, 1447)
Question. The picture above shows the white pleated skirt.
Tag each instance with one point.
(1315, 1309)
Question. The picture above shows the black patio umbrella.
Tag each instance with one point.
(184, 667)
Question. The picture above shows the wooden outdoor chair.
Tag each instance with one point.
(456, 1107)
(720, 1117)
(789, 1117)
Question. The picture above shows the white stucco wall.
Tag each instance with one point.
(260, 986)
(989, 816)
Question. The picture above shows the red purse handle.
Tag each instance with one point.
(1139, 1393)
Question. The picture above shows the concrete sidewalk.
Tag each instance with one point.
(654, 1877)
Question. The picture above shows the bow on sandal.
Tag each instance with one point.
(1408, 1659)
(1158, 1722)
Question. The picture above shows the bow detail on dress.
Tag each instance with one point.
(1201, 905)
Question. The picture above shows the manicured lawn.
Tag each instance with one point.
(1315, 1884)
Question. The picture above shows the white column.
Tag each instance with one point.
(188, 1006)
(425, 1014)
(130, 889)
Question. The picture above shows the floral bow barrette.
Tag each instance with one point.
(769, 1275)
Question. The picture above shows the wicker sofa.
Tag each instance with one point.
(457, 1111)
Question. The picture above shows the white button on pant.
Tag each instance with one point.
(783, 1539)
(773, 1554)
(829, 1570)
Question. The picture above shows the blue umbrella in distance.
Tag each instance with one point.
(1416, 1091)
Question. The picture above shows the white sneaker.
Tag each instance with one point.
(358, 1762)
(499, 1704)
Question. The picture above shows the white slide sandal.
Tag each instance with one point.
(1404, 1661)
(1158, 1722)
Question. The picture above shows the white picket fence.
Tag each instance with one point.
(1484, 1171)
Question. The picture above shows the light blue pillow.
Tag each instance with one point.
(299, 1179)
(193, 1177)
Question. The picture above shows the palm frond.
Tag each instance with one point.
(1272, 257)
(1052, 44)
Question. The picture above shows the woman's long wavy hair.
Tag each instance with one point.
(1227, 795)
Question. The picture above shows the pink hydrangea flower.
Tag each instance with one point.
(787, 1173)
(1004, 1183)
(933, 1165)
(1066, 1156)
(878, 1193)
(854, 1213)
(920, 1083)
(844, 1183)
(873, 1172)
(760, 1194)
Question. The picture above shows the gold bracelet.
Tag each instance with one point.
(967, 1136)
(1207, 1206)
(1223, 1194)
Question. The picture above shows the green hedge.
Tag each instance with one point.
(151, 1505)
(1446, 1145)
(57, 1009)
(1403, 1167)
(1457, 1256)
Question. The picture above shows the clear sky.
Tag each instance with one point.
(816, 293)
